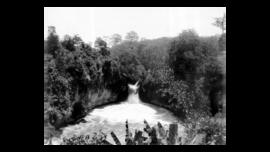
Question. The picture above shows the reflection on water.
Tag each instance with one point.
(113, 117)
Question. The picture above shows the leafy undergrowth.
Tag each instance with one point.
(204, 131)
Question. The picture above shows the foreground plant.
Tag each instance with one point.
(202, 132)
(155, 136)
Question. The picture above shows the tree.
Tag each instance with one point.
(132, 36)
(220, 22)
(194, 60)
(52, 41)
(213, 85)
(130, 66)
(184, 55)
(100, 43)
(102, 46)
(153, 53)
(222, 42)
(77, 39)
(115, 39)
(70, 43)
(106, 39)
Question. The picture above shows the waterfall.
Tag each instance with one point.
(133, 93)
(112, 117)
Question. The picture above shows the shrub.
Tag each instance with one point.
(213, 129)
(96, 139)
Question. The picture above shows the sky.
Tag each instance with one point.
(149, 22)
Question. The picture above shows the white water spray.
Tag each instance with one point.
(132, 109)
(133, 93)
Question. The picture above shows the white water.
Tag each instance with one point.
(113, 117)
(132, 110)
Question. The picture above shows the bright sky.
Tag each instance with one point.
(148, 22)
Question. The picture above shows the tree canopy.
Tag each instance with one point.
(132, 36)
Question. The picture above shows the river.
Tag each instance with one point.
(113, 117)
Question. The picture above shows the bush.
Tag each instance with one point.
(213, 129)
(174, 94)
(96, 139)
